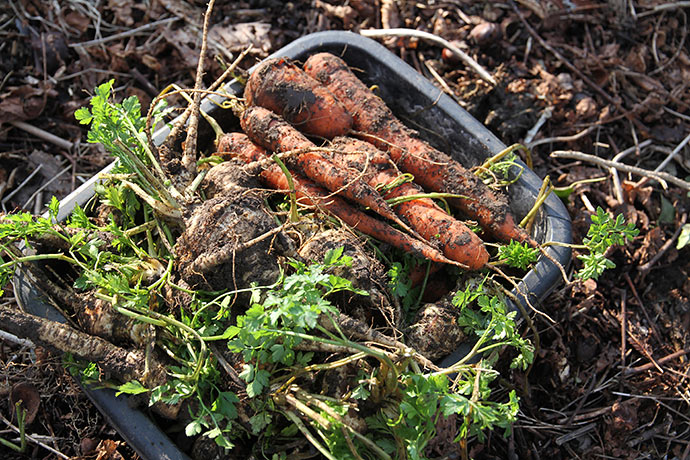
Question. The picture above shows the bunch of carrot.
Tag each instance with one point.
(327, 101)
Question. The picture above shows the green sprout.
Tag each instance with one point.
(604, 233)
(518, 255)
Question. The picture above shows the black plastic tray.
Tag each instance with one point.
(413, 98)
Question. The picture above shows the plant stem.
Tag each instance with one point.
(144, 144)
(135, 315)
(507, 151)
(433, 195)
(544, 192)
(11, 445)
(335, 364)
(147, 177)
(308, 434)
(313, 399)
(157, 319)
(401, 179)
(424, 282)
(21, 415)
(564, 245)
(21, 418)
(294, 216)
(378, 355)
(148, 225)
(35, 257)
(161, 207)
(475, 350)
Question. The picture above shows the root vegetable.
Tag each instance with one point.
(288, 91)
(212, 254)
(98, 317)
(365, 273)
(311, 194)
(93, 315)
(275, 134)
(432, 169)
(228, 178)
(123, 364)
(456, 240)
(435, 332)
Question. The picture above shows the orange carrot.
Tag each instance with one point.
(432, 169)
(275, 134)
(456, 240)
(288, 91)
(309, 193)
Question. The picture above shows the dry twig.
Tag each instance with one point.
(661, 177)
(665, 359)
(189, 156)
(401, 32)
(44, 135)
(614, 173)
(125, 34)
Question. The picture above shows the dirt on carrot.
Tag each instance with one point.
(432, 169)
(282, 87)
(455, 239)
(310, 194)
(272, 132)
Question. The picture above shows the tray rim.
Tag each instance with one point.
(139, 430)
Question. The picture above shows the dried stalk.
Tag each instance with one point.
(662, 177)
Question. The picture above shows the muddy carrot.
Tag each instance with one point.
(309, 193)
(275, 134)
(432, 169)
(288, 91)
(456, 240)
(124, 364)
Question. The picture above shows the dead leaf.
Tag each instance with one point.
(648, 83)
(88, 445)
(610, 51)
(236, 37)
(183, 9)
(624, 415)
(651, 243)
(21, 103)
(586, 108)
(151, 62)
(186, 45)
(364, 7)
(29, 397)
(122, 10)
(606, 358)
(637, 58)
(541, 9)
(107, 450)
(345, 13)
(54, 46)
(118, 57)
(51, 166)
(77, 20)
(633, 193)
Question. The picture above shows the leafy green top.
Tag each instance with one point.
(604, 233)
